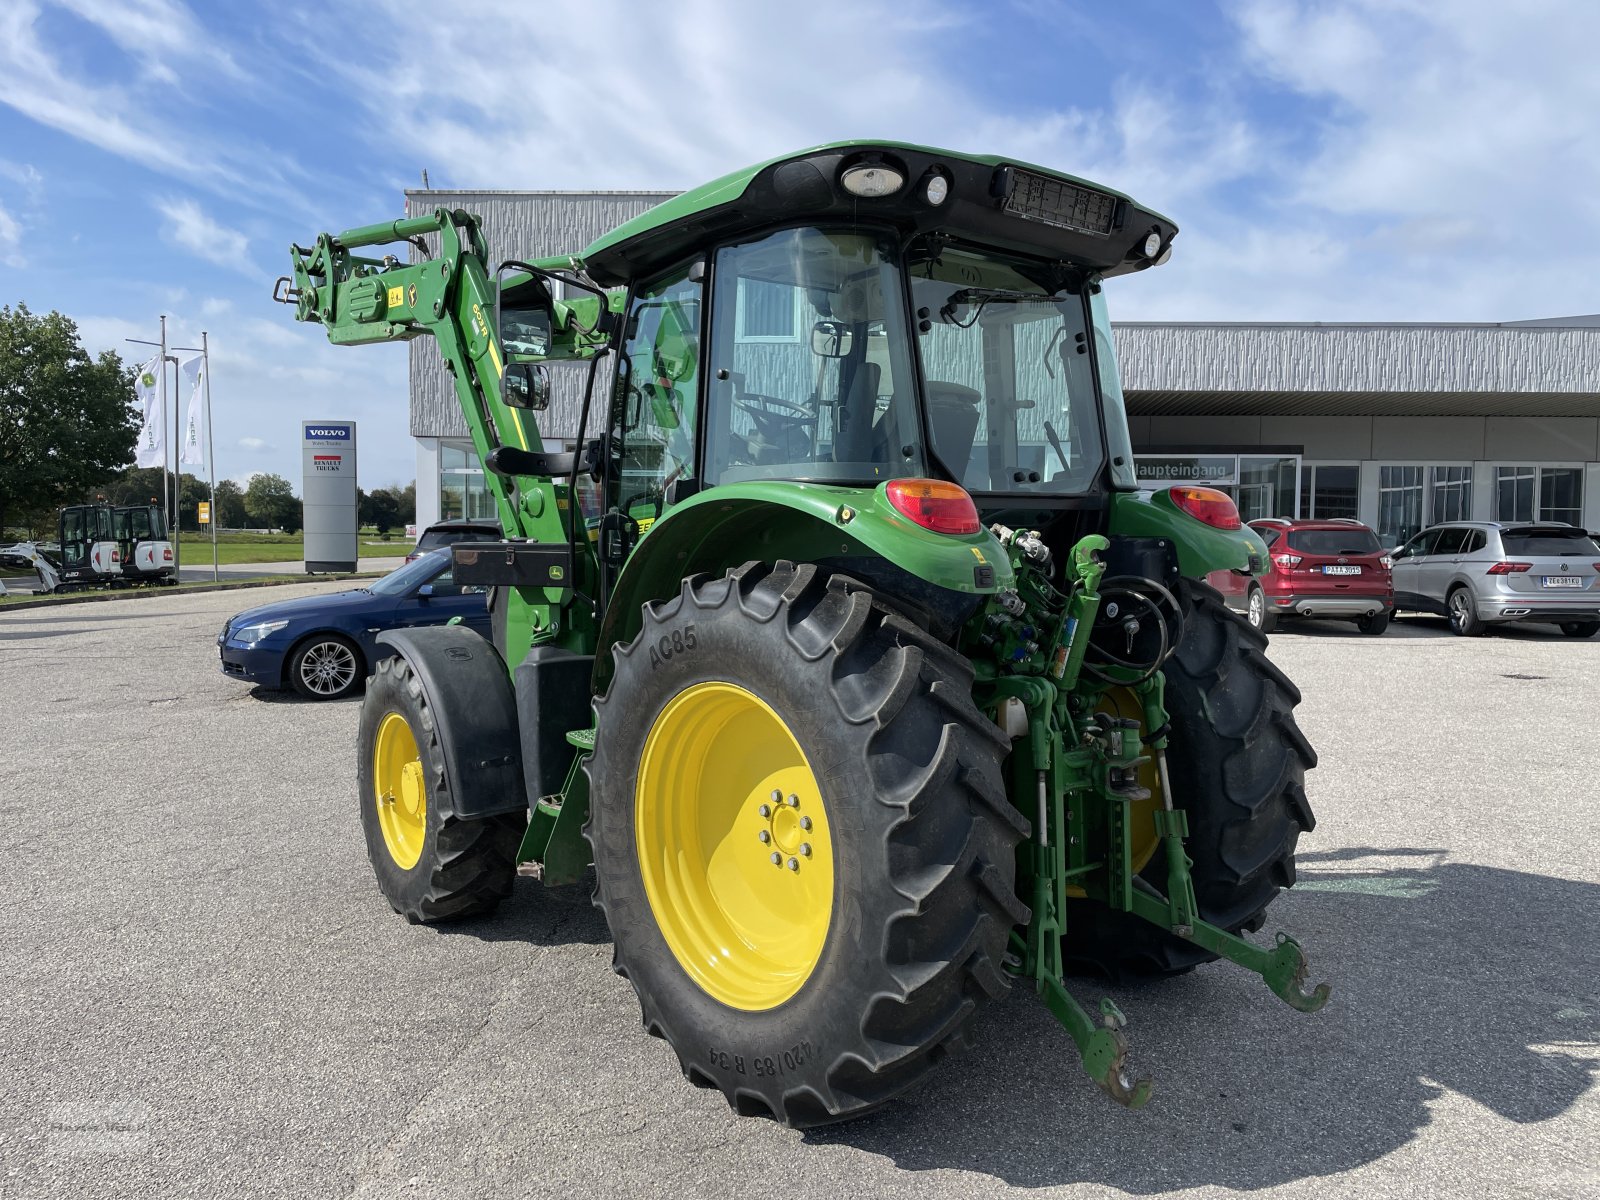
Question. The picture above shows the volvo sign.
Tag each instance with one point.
(328, 485)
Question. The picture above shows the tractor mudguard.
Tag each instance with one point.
(1201, 548)
(474, 710)
(736, 523)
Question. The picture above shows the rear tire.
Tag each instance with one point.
(1580, 629)
(917, 834)
(461, 867)
(1463, 613)
(1373, 624)
(1238, 763)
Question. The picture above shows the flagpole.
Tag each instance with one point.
(177, 476)
(165, 486)
(211, 448)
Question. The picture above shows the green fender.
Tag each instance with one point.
(1201, 548)
(736, 523)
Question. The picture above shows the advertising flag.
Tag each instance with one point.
(152, 449)
(191, 452)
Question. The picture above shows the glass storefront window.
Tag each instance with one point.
(462, 491)
(1399, 503)
(1514, 493)
(1529, 493)
(1561, 495)
(1451, 489)
(1329, 490)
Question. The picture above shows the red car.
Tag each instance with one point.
(1331, 568)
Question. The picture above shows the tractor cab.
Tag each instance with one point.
(854, 315)
(142, 537)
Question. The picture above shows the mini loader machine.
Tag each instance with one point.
(840, 638)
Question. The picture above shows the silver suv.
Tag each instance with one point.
(1479, 573)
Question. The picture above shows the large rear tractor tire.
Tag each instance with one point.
(431, 865)
(802, 841)
(1238, 763)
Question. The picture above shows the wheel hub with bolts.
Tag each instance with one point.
(734, 846)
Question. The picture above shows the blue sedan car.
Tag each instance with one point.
(325, 646)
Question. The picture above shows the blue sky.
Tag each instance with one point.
(1403, 160)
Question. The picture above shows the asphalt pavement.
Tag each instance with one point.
(204, 994)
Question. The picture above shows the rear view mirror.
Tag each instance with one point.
(831, 339)
(526, 386)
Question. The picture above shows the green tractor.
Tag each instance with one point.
(841, 642)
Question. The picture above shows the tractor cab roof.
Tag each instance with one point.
(1003, 203)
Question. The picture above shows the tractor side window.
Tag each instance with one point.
(658, 381)
(1012, 391)
(811, 372)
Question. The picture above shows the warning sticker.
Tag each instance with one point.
(397, 297)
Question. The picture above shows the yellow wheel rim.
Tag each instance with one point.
(733, 846)
(1124, 702)
(401, 795)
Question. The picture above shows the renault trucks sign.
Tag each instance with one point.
(328, 484)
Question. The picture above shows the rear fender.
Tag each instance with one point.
(1201, 548)
(854, 530)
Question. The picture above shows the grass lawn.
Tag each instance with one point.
(275, 547)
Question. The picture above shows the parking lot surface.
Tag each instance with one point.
(204, 994)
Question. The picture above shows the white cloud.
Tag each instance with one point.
(255, 445)
(11, 241)
(95, 109)
(188, 226)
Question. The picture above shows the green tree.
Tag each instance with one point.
(408, 503)
(230, 512)
(270, 501)
(380, 509)
(67, 422)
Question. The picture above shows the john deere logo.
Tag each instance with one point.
(147, 379)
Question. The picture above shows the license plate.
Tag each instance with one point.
(1563, 581)
(1332, 570)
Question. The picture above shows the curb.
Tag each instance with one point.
(149, 593)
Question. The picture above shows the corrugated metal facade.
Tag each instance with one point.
(1360, 369)
(518, 225)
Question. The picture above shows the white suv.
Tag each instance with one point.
(1479, 573)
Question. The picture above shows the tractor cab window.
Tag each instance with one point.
(658, 376)
(1012, 401)
(810, 372)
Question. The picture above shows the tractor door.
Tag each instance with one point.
(655, 412)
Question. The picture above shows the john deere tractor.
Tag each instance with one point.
(839, 638)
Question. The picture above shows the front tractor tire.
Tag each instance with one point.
(431, 865)
(1238, 762)
(802, 842)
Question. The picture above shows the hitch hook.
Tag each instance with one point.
(1286, 976)
(1105, 1058)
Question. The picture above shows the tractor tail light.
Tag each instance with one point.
(934, 504)
(1208, 505)
(1510, 568)
(1287, 560)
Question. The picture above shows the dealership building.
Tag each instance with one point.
(1398, 425)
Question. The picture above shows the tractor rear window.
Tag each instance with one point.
(1550, 543)
(1334, 541)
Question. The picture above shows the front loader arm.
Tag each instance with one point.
(359, 300)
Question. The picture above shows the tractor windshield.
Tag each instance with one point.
(1006, 364)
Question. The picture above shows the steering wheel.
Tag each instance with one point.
(775, 406)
